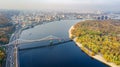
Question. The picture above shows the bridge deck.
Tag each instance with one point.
(48, 45)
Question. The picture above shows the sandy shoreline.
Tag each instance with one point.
(97, 57)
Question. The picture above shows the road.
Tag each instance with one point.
(11, 51)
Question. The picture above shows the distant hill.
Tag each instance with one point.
(3, 20)
(6, 29)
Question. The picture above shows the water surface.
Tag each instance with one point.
(62, 55)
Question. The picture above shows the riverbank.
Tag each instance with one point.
(97, 57)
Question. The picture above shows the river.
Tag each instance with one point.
(62, 55)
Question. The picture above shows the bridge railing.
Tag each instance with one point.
(23, 41)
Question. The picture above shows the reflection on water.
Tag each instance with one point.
(60, 55)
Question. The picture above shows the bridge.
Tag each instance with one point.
(43, 46)
(23, 41)
(15, 47)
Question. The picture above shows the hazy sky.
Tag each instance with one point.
(113, 5)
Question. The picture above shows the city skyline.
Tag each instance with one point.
(59, 33)
(106, 5)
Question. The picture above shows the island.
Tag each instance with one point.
(100, 39)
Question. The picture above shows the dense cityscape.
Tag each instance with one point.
(38, 17)
(59, 34)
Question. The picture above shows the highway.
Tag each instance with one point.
(12, 47)
(11, 50)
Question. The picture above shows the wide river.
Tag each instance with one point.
(62, 55)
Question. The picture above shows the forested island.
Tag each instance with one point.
(99, 37)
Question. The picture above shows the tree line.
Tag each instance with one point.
(101, 37)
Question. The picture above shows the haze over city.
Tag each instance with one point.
(59, 33)
(106, 5)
